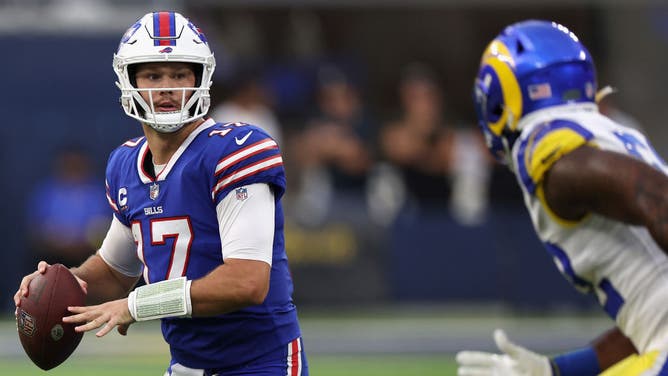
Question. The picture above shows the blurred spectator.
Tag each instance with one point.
(419, 144)
(249, 102)
(444, 170)
(334, 150)
(67, 213)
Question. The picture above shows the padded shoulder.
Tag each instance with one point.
(545, 145)
(243, 154)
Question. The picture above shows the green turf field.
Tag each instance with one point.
(390, 341)
(319, 366)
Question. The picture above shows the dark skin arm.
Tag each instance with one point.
(612, 185)
(611, 347)
(589, 180)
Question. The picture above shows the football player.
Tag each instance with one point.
(197, 213)
(597, 193)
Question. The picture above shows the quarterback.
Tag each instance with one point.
(597, 193)
(197, 213)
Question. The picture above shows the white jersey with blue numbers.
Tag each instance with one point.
(621, 264)
(174, 223)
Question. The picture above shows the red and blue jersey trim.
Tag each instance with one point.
(164, 29)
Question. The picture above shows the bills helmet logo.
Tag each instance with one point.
(130, 32)
(197, 31)
(166, 50)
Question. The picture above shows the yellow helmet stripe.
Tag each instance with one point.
(498, 57)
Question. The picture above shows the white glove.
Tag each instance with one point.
(515, 361)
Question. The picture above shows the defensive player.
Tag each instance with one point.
(597, 193)
(197, 212)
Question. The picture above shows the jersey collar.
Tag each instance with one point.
(145, 177)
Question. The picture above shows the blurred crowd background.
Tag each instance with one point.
(392, 197)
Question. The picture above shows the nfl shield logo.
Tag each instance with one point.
(242, 193)
(25, 323)
(154, 191)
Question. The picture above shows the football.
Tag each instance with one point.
(39, 318)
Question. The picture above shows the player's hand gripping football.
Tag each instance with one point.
(41, 269)
(515, 360)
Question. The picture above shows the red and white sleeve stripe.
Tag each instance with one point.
(294, 358)
(247, 152)
(236, 173)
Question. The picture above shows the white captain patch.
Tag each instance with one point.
(122, 198)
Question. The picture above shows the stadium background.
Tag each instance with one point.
(425, 287)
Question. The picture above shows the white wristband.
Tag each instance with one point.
(169, 298)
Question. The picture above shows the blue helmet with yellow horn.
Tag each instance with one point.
(529, 66)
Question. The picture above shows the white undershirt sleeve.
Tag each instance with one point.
(246, 223)
(119, 250)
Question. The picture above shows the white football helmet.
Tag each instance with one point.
(164, 37)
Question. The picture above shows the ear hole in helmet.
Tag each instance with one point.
(520, 47)
(497, 110)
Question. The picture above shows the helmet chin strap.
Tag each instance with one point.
(166, 122)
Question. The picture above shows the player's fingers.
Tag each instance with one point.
(17, 298)
(73, 319)
(81, 314)
(91, 325)
(474, 371)
(42, 266)
(105, 329)
(475, 358)
(25, 281)
(78, 309)
(505, 345)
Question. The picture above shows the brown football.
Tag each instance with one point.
(45, 338)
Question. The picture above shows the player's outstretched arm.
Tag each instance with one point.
(610, 184)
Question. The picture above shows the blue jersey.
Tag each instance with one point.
(174, 223)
